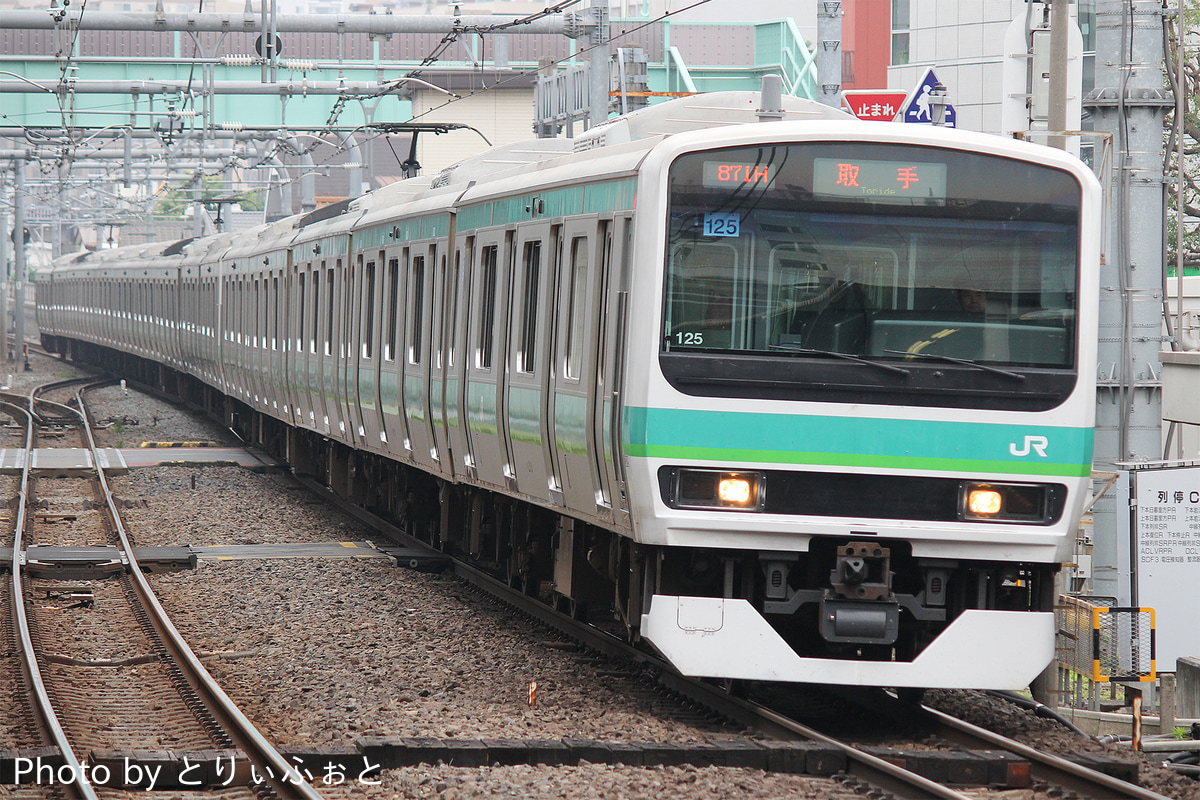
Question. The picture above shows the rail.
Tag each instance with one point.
(283, 777)
(47, 718)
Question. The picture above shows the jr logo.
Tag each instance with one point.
(1037, 444)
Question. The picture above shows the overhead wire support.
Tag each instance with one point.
(214, 22)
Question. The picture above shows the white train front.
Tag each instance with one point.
(802, 400)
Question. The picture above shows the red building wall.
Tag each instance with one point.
(866, 43)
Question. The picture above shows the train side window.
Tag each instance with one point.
(368, 333)
(301, 316)
(532, 258)
(437, 311)
(315, 283)
(393, 294)
(487, 315)
(576, 299)
(329, 305)
(416, 295)
(454, 292)
(274, 308)
(258, 309)
(244, 311)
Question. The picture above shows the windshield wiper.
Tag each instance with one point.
(808, 351)
(965, 361)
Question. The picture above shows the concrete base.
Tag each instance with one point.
(1098, 723)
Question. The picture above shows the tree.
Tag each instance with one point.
(1190, 133)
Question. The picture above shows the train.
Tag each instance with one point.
(783, 395)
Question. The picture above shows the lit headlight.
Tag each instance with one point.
(983, 502)
(735, 490)
(710, 488)
(1008, 502)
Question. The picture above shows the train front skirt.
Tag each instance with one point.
(727, 638)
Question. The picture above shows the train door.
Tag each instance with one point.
(327, 354)
(417, 355)
(223, 350)
(312, 355)
(483, 358)
(257, 360)
(609, 365)
(297, 346)
(391, 367)
(527, 381)
(573, 364)
(274, 299)
(458, 323)
(371, 354)
(349, 350)
(370, 418)
(440, 329)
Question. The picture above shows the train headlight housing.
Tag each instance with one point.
(1004, 502)
(712, 488)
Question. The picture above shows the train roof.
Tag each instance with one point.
(697, 112)
(623, 139)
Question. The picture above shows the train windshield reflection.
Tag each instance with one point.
(869, 280)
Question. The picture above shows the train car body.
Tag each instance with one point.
(805, 399)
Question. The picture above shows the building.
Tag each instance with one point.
(888, 44)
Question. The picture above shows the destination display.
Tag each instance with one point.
(882, 180)
(724, 174)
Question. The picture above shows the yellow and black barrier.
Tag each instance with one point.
(1123, 636)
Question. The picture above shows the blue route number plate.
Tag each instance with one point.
(722, 224)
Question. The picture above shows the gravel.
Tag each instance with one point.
(323, 652)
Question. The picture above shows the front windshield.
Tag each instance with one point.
(785, 250)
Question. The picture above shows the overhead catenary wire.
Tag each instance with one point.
(556, 62)
(366, 132)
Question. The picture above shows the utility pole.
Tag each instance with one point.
(1129, 102)
(4, 242)
(1056, 116)
(19, 270)
(829, 52)
(598, 60)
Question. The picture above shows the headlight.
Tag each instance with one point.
(1008, 502)
(711, 488)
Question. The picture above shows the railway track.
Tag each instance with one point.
(863, 772)
(864, 769)
(118, 701)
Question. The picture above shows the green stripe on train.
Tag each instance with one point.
(739, 437)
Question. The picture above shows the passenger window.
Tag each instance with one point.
(393, 290)
(416, 295)
(487, 316)
(303, 313)
(329, 315)
(576, 300)
(369, 313)
(529, 316)
(316, 310)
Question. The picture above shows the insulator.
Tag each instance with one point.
(183, 114)
(231, 126)
(239, 60)
(297, 64)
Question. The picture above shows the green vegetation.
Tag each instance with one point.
(1191, 142)
(174, 203)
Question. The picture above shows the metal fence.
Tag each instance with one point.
(1100, 645)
